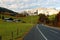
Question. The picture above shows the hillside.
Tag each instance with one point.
(3, 10)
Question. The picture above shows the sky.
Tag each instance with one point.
(19, 5)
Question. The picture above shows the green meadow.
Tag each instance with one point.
(14, 30)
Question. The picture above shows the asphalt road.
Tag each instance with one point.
(41, 32)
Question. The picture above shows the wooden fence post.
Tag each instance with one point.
(17, 32)
(0, 37)
(12, 35)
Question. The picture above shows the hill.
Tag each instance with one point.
(7, 11)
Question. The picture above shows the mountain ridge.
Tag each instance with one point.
(2, 9)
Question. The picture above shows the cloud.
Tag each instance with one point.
(58, 8)
(13, 6)
(18, 4)
(25, 4)
(8, 0)
(26, 0)
(48, 2)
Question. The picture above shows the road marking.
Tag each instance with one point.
(41, 33)
(53, 31)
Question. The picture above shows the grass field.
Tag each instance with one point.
(7, 29)
(30, 19)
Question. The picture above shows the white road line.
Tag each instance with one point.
(41, 33)
(53, 31)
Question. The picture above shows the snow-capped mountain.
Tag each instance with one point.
(46, 11)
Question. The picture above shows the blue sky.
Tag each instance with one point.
(18, 5)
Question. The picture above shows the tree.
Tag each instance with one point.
(42, 18)
(57, 19)
(52, 19)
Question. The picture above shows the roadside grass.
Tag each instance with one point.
(6, 28)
